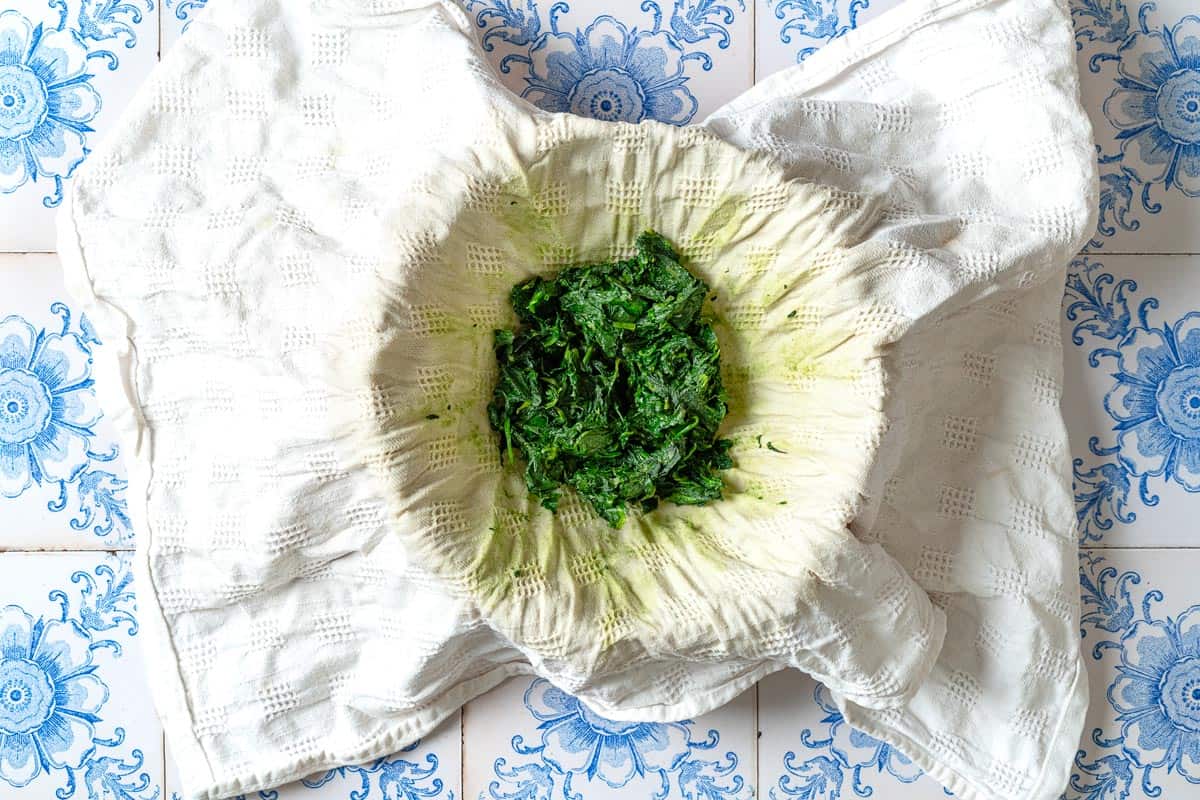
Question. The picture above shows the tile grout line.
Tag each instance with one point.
(1139, 547)
(753, 42)
(66, 550)
(1100, 253)
(160, 9)
(756, 734)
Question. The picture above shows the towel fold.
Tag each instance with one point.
(297, 241)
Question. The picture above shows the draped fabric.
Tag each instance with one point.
(298, 241)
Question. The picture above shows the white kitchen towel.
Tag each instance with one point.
(296, 220)
(965, 116)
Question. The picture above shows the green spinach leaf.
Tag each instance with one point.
(612, 385)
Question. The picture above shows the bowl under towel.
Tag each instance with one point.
(297, 242)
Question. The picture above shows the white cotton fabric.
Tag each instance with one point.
(286, 235)
(769, 573)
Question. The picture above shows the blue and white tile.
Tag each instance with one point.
(1132, 397)
(1142, 643)
(625, 60)
(430, 769)
(75, 718)
(69, 67)
(527, 739)
(1140, 77)
(62, 485)
(789, 31)
(808, 752)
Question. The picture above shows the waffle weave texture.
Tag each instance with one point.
(298, 253)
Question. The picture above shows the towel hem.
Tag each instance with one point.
(1050, 781)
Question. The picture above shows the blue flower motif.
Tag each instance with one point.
(1157, 103)
(46, 101)
(845, 753)
(818, 21)
(696, 20)
(398, 777)
(885, 758)
(575, 740)
(611, 72)
(1156, 402)
(185, 10)
(864, 752)
(1105, 21)
(47, 406)
(49, 696)
(1157, 693)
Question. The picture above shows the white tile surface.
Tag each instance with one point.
(86, 599)
(116, 44)
(87, 512)
(524, 737)
(708, 44)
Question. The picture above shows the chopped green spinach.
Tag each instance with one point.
(612, 385)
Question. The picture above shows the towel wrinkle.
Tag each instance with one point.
(377, 568)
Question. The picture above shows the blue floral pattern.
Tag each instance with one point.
(1153, 401)
(48, 409)
(842, 754)
(1155, 691)
(49, 696)
(53, 697)
(813, 23)
(576, 739)
(48, 99)
(610, 72)
(608, 69)
(185, 10)
(1153, 109)
(580, 750)
(1156, 105)
(1097, 310)
(398, 778)
(48, 418)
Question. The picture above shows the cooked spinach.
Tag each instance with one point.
(612, 385)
